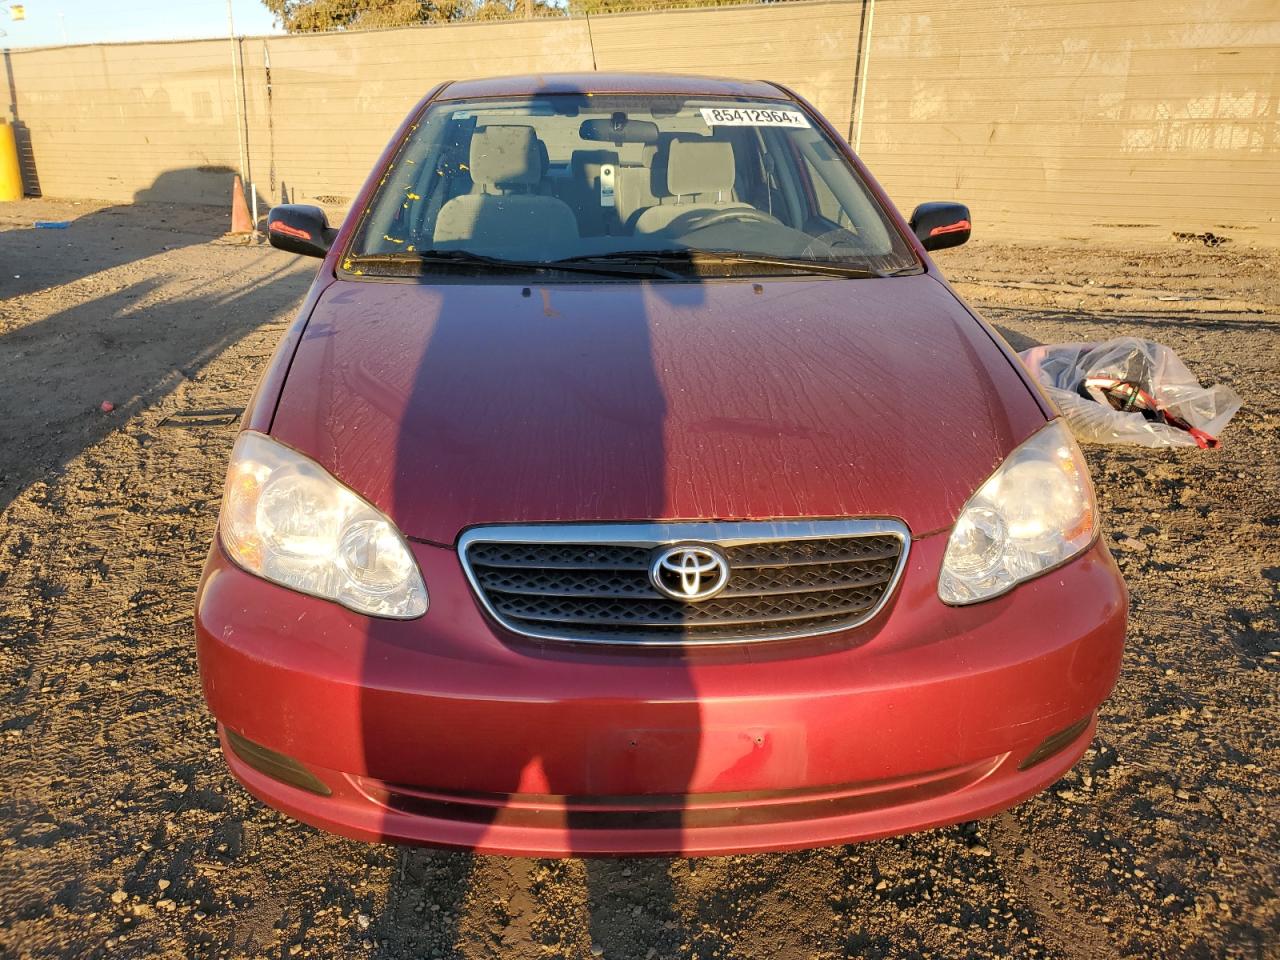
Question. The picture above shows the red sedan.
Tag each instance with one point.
(630, 482)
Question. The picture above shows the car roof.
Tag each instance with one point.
(659, 83)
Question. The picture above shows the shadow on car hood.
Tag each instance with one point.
(457, 404)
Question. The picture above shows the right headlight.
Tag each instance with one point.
(1035, 512)
(285, 519)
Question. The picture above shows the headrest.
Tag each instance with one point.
(505, 156)
(699, 167)
(654, 156)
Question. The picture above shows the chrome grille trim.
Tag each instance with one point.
(576, 575)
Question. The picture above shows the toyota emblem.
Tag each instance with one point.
(689, 571)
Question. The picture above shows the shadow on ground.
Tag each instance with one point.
(119, 307)
(174, 212)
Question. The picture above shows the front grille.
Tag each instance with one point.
(591, 583)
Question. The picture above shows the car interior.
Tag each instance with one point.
(543, 185)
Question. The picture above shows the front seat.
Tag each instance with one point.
(506, 218)
(700, 176)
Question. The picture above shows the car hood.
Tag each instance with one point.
(449, 405)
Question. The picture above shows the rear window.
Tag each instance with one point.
(560, 177)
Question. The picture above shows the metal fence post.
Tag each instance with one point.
(864, 61)
(237, 81)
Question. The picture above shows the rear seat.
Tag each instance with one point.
(584, 177)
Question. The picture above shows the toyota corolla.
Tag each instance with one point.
(631, 481)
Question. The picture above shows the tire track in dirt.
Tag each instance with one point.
(1068, 932)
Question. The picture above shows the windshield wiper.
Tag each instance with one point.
(712, 257)
(464, 258)
(619, 263)
(814, 266)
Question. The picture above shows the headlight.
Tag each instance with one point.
(288, 521)
(1035, 512)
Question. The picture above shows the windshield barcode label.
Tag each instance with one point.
(753, 117)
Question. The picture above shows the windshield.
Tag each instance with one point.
(610, 183)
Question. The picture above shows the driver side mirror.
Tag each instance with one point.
(941, 225)
(300, 228)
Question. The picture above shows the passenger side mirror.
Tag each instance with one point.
(941, 225)
(300, 228)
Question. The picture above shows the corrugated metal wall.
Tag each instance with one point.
(1049, 117)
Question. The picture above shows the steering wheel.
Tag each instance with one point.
(749, 214)
(828, 244)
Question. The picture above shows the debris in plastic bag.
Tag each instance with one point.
(1131, 391)
(52, 224)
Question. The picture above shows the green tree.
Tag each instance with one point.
(510, 9)
(579, 7)
(315, 16)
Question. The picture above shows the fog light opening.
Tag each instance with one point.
(1055, 743)
(277, 766)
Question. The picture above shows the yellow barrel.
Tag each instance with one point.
(10, 172)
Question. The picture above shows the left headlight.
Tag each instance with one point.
(1035, 512)
(285, 519)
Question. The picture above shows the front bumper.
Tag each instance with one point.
(446, 731)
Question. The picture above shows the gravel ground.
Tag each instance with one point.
(122, 834)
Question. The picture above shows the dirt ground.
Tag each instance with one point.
(122, 834)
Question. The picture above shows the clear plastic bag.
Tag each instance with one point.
(1150, 374)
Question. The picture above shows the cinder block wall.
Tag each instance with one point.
(335, 99)
(153, 121)
(1062, 117)
(1051, 118)
(810, 47)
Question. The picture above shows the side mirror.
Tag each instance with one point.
(941, 225)
(300, 228)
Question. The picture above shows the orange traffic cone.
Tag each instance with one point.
(240, 222)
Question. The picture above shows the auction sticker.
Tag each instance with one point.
(753, 117)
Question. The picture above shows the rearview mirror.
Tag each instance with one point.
(941, 225)
(618, 130)
(300, 228)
